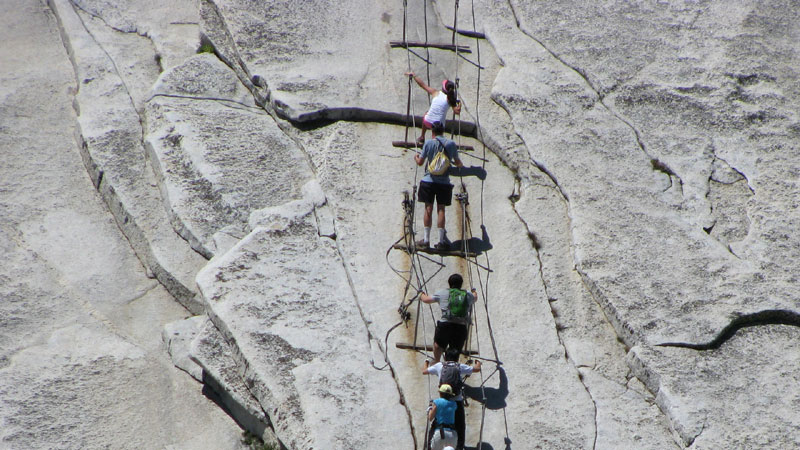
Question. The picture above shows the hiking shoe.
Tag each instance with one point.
(442, 246)
(422, 243)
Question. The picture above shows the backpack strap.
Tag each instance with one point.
(441, 144)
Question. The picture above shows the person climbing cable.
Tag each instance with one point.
(452, 373)
(442, 412)
(456, 306)
(435, 185)
(440, 102)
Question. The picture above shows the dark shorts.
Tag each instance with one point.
(450, 334)
(443, 193)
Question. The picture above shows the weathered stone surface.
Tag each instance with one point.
(171, 27)
(675, 259)
(625, 418)
(218, 157)
(214, 355)
(324, 59)
(178, 337)
(690, 113)
(650, 199)
(539, 387)
(740, 395)
(302, 345)
(109, 136)
(81, 362)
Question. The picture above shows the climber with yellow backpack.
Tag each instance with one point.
(437, 155)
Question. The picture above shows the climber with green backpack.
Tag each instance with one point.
(435, 185)
(456, 306)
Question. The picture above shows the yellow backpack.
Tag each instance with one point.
(440, 162)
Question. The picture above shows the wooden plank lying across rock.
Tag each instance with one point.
(435, 251)
(458, 48)
(426, 347)
(408, 144)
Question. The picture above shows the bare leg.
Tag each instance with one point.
(427, 219)
(424, 130)
(437, 352)
(440, 219)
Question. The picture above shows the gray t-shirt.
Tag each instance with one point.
(463, 371)
(429, 151)
(443, 298)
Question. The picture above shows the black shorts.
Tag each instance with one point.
(450, 334)
(443, 193)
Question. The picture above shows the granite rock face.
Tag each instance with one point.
(81, 362)
(218, 157)
(304, 343)
(636, 231)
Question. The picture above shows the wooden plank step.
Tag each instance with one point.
(467, 33)
(407, 346)
(455, 48)
(434, 251)
(404, 144)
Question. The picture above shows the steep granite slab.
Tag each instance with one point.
(624, 226)
(81, 362)
(710, 93)
(218, 157)
(625, 417)
(110, 138)
(544, 398)
(626, 286)
(741, 395)
(172, 27)
(323, 59)
(283, 301)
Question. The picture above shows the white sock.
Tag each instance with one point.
(441, 235)
(427, 234)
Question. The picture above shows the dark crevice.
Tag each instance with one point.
(711, 178)
(768, 317)
(224, 101)
(559, 327)
(371, 338)
(238, 66)
(119, 75)
(744, 177)
(691, 440)
(102, 19)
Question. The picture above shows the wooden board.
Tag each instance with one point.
(458, 48)
(434, 251)
(403, 144)
(407, 346)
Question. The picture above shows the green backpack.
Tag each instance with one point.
(457, 304)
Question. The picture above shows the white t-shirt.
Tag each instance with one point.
(463, 370)
(438, 110)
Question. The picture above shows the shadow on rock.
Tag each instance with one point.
(495, 398)
(474, 244)
(472, 171)
(487, 446)
(480, 446)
